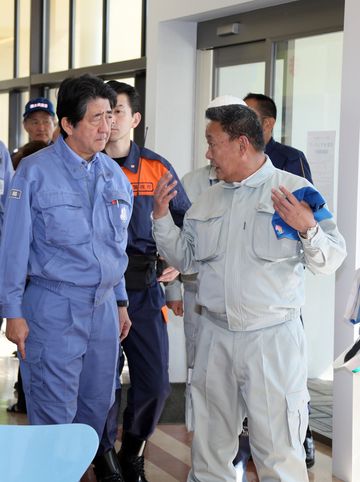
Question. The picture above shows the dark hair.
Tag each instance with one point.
(266, 105)
(74, 95)
(237, 120)
(26, 150)
(130, 91)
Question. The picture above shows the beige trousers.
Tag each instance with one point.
(262, 374)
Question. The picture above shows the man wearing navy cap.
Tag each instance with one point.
(39, 118)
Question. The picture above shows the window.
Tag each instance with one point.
(7, 39)
(24, 39)
(88, 33)
(4, 118)
(67, 38)
(24, 98)
(307, 87)
(58, 35)
(125, 19)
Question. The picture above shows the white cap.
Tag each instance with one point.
(225, 100)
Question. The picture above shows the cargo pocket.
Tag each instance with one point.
(266, 245)
(297, 416)
(64, 218)
(208, 230)
(33, 366)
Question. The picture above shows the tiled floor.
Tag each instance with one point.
(321, 407)
(168, 451)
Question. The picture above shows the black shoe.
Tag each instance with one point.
(133, 468)
(16, 408)
(244, 452)
(111, 478)
(131, 459)
(309, 447)
(107, 467)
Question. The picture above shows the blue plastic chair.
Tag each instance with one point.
(46, 453)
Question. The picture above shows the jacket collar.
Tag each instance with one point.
(133, 158)
(75, 164)
(270, 146)
(256, 179)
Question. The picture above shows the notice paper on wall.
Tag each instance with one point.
(320, 153)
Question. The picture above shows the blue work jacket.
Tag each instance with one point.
(6, 173)
(63, 225)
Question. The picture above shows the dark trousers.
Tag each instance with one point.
(111, 426)
(147, 352)
(21, 403)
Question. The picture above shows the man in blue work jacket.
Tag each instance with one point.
(65, 229)
(146, 347)
(6, 173)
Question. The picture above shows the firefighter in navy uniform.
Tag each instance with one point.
(146, 346)
(288, 159)
(283, 157)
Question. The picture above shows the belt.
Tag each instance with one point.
(143, 271)
(219, 319)
(81, 293)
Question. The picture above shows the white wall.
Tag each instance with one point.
(346, 414)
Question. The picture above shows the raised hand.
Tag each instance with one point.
(163, 194)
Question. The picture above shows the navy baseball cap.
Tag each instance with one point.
(39, 104)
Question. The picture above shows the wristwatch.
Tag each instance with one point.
(122, 303)
(310, 233)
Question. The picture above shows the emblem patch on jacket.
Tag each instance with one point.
(123, 215)
(15, 193)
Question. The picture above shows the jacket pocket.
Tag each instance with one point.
(266, 245)
(118, 207)
(297, 416)
(64, 218)
(208, 230)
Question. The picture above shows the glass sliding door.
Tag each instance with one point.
(307, 94)
(307, 90)
(306, 86)
(239, 69)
